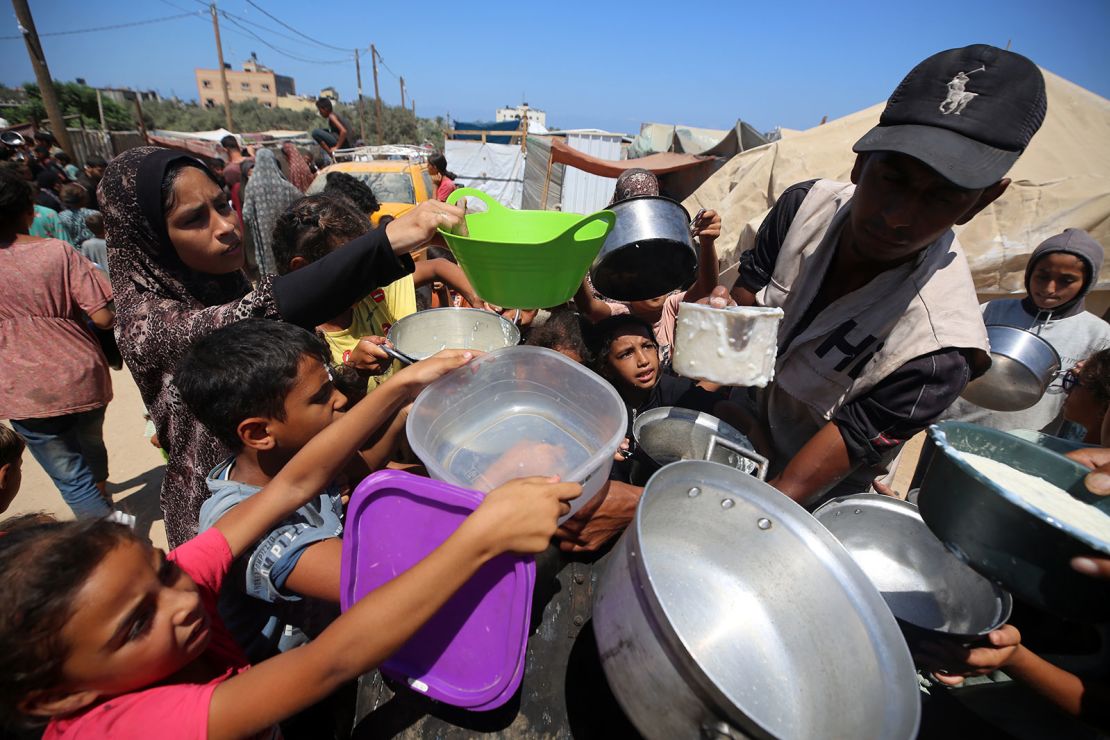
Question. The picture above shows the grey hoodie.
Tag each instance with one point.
(1076, 242)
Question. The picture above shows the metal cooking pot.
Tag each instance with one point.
(727, 610)
(668, 434)
(648, 252)
(929, 589)
(1022, 366)
(422, 334)
(990, 529)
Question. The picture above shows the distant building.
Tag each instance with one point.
(534, 115)
(296, 102)
(254, 82)
(329, 92)
(124, 95)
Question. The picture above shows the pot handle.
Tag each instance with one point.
(492, 204)
(718, 441)
(608, 217)
(398, 355)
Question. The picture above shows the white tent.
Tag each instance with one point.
(1061, 181)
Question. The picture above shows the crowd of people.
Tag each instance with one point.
(253, 319)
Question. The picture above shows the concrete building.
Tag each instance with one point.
(330, 92)
(534, 115)
(254, 82)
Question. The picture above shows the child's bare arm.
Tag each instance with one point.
(519, 516)
(321, 459)
(591, 307)
(316, 573)
(708, 229)
(449, 273)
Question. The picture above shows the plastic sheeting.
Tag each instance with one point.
(536, 174)
(496, 169)
(1059, 182)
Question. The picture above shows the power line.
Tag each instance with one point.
(291, 28)
(260, 27)
(106, 28)
(278, 49)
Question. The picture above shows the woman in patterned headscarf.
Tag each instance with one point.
(265, 197)
(634, 182)
(176, 255)
(299, 173)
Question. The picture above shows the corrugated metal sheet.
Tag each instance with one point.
(583, 192)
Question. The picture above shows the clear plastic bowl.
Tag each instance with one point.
(517, 412)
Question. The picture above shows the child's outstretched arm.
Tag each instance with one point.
(320, 460)
(450, 274)
(520, 516)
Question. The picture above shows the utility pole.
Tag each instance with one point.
(361, 117)
(377, 95)
(402, 93)
(100, 110)
(413, 101)
(142, 124)
(223, 71)
(42, 74)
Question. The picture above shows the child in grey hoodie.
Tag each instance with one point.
(1061, 271)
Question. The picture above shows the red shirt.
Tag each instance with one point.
(177, 710)
(50, 364)
(446, 187)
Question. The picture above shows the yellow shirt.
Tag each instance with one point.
(372, 316)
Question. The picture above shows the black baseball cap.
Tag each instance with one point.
(968, 113)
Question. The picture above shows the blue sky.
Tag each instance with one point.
(588, 64)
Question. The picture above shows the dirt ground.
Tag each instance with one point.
(135, 468)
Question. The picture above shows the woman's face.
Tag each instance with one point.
(634, 359)
(203, 226)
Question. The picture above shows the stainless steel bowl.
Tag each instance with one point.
(668, 434)
(648, 252)
(999, 534)
(727, 610)
(924, 584)
(1022, 366)
(422, 334)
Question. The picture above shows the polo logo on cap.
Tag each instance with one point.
(958, 95)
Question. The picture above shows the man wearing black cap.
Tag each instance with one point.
(882, 328)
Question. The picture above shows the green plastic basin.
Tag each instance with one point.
(526, 259)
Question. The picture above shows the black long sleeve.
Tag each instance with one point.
(332, 284)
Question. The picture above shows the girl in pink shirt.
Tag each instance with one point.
(105, 637)
(443, 178)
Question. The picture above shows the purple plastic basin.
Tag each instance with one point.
(471, 653)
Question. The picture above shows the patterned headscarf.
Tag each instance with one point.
(299, 173)
(162, 307)
(266, 197)
(634, 182)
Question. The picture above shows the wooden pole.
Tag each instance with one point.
(100, 110)
(142, 124)
(361, 116)
(42, 75)
(377, 95)
(402, 93)
(546, 181)
(223, 72)
(413, 101)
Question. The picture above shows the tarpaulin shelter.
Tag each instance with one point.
(495, 169)
(1059, 182)
(727, 143)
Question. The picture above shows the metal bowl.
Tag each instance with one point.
(924, 584)
(1022, 367)
(998, 533)
(727, 610)
(422, 334)
(668, 434)
(648, 252)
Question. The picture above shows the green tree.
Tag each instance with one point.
(74, 99)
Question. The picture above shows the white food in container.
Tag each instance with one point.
(732, 346)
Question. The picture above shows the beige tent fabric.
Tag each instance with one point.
(1061, 181)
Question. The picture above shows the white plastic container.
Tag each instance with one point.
(732, 346)
(517, 412)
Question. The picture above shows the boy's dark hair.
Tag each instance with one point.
(353, 189)
(563, 330)
(96, 161)
(11, 445)
(599, 337)
(17, 197)
(47, 179)
(63, 158)
(243, 370)
(1095, 377)
(95, 223)
(73, 196)
(324, 104)
(43, 565)
(229, 142)
(313, 226)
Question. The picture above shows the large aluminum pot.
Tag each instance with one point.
(931, 591)
(1003, 536)
(727, 610)
(1022, 366)
(668, 434)
(648, 252)
(422, 334)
